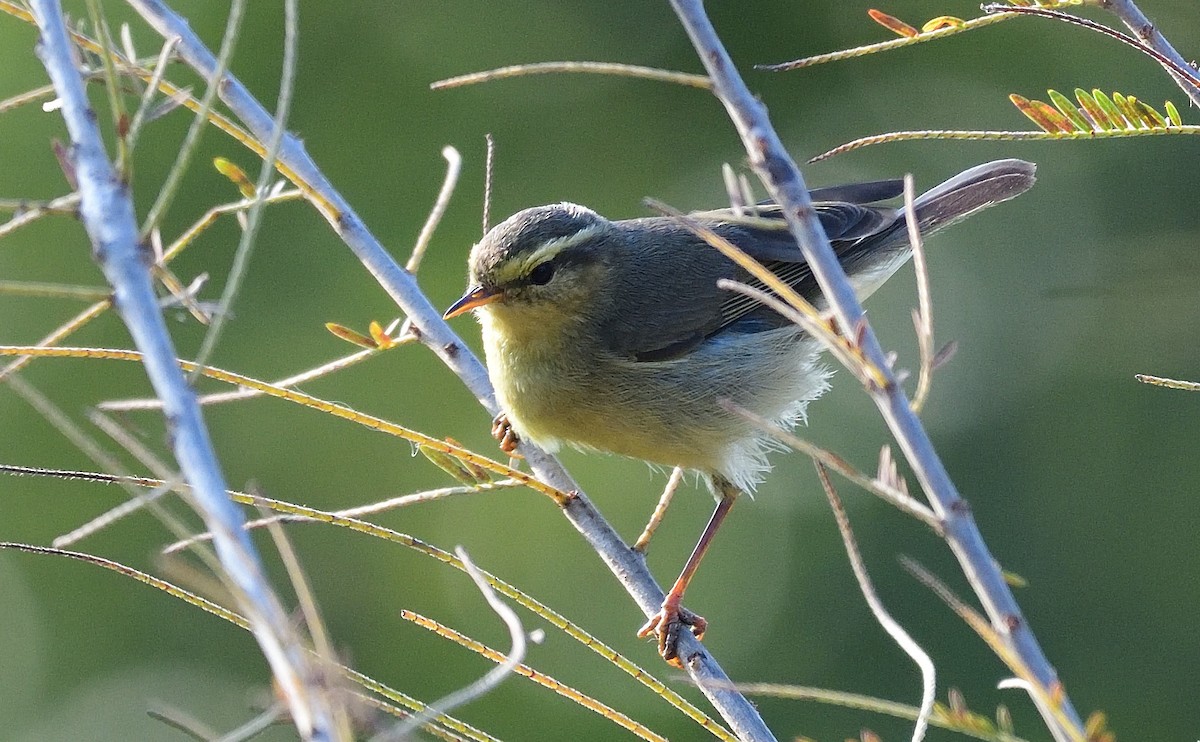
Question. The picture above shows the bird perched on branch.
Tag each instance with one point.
(614, 335)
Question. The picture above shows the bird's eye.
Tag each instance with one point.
(542, 273)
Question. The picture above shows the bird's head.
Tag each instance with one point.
(544, 263)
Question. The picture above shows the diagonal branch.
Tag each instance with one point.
(783, 180)
(628, 565)
(1137, 22)
(108, 216)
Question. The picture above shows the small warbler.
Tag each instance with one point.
(614, 336)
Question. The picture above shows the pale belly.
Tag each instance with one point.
(669, 413)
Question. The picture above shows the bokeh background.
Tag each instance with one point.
(1084, 481)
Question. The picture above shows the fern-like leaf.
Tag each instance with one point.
(1097, 116)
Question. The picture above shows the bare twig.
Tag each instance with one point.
(488, 171)
(360, 510)
(126, 405)
(771, 161)
(493, 677)
(109, 219)
(881, 489)
(160, 70)
(889, 624)
(1191, 386)
(53, 290)
(660, 510)
(600, 68)
(453, 168)
(67, 204)
(923, 316)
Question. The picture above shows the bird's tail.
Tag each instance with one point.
(873, 260)
(971, 191)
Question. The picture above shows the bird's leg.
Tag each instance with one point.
(504, 434)
(672, 616)
(660, 510)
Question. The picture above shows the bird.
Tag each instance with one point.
(614, 336)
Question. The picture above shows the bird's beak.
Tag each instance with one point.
(475, 297)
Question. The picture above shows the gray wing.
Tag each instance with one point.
(683, 306)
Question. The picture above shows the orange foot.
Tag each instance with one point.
(666, 625)
(504, 434)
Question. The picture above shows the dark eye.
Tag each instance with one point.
(542, 274)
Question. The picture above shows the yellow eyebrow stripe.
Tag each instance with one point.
(522, 265)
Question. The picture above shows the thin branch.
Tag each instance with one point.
(453, 168)
(923, 316)
(772, 163)
(491, 679)
(599, 68)
(1191, 386)
(53, 290)
(660, 510)
(627, 565)
(108, 216)
(861, 51)
(68, 204)
(984, 135)
(889, 624)
(160, 70)
(893, 496)
(359, 510)
(325, 369)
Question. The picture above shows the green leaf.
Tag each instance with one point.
(1095, 112)
(1151, 117)
(1064, 104)
(1115, 119)
(1173, 114)
(1129, 113)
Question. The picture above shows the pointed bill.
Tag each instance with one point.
(475, 297)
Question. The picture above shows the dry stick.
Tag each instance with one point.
(660, 510)
(358, 511)
(187, 148)
(110, 222)
(491, 679)
(923, 316)
(889, 624)
(772, 163)
(53, 290)
(63, 204)
(453, 168)
(627, 565)
(337, 364)
(600, 68)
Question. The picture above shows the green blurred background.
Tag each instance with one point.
(1083, 480)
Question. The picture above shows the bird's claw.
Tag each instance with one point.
(504, 434)
(666, 625)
